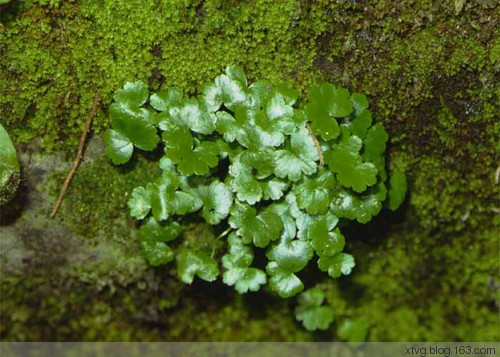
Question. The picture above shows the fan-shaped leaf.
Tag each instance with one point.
(191, 264)
(118, 147)
(314, 193)
(133, 94)
(257, 228)
(300, 158)
(157, 253)
(359, 101)
(179, 149)
(337, 265)
(135, 124)
(327, 102)
(344, 159)
(351, 205)
(194, 114)
(165, 99)
(217, 200)
(311, 313)
(285, 283)
(326, 240)
(238, 271)
(291, 255)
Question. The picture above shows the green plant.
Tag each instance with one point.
(9, 167)
(311, 311)
(353, 331)
(278, 176)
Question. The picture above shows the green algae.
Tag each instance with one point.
(430, 74)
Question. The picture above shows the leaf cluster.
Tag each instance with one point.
(249, 157)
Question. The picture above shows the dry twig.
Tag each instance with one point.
(79, 155)
(316, 143)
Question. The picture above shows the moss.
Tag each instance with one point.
(47, 47)
(241, 320)
(432, 74)
(425, 285)
(92, 214)
(431, 269)
(83, 277)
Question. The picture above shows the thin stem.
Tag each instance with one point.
(79, 155)
(316, 143)
(223, 234)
